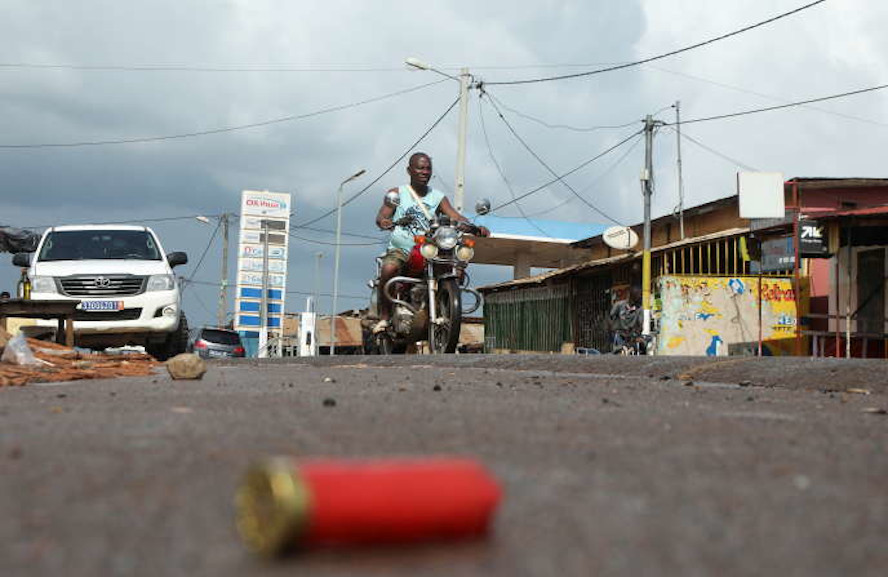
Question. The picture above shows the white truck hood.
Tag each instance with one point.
(99, 267)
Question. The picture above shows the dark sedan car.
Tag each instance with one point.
(215, 343)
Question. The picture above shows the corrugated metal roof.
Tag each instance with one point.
(869, 211)
(815, 182)
(541, 278)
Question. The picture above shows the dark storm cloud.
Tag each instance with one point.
(830, 49)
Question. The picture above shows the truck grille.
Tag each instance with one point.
(124, 315)
(101, 286)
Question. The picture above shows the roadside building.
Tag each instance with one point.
(731, 286)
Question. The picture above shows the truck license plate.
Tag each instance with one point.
(102, 305)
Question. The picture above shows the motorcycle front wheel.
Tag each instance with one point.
(444, 337)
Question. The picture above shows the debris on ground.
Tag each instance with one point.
(60, 363)
(186, 366)
(361, 503)
(17, 352)
(875, 410)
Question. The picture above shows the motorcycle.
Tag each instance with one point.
(427, 298)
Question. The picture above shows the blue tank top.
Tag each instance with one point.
(402, 236)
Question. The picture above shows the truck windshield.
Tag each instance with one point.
(99, 244)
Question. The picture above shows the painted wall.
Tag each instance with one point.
(715, 316)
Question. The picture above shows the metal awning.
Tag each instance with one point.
(534, 251)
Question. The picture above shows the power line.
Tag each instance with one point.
(193, 68)
(594, 181)
(711, 150)
(270, 68)
(199, 300)
(136, 221)
(387, 170)
(781, 106)
(500, 170)
(325, 243)
(356, 235)
(233, 287)
(660, 56)
(763, 95)
(546, 166)
(194, 216)
(227, 129)
(577, 168)
(204, 254)
(568, 126)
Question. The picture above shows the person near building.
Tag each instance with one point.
(625, 319)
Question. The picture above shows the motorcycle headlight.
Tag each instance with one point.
(161, 282)
(446, 237)
(465, 253)
(428, 250)
(43, 284)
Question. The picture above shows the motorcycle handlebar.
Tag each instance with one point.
(464, 225)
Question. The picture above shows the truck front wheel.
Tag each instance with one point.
(175, 343)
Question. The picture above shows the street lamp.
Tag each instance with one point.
(336, 264)
(222, 311)
(465, 81)
(316, 304)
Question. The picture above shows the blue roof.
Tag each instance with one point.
(539, 228)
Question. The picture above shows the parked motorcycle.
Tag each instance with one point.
(427, 299)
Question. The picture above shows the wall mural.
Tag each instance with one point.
(717, 316)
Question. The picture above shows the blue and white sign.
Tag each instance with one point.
(262, 213)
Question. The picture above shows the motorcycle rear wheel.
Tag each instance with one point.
(444, 337)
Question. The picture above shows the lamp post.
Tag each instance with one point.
(222, 311)
(316, 301)
(336, 264)
(465, 82)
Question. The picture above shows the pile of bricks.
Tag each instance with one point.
(61, 363)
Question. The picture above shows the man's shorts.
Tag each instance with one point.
(395, 256)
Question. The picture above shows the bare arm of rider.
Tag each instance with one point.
(447, 208)
(385, 214)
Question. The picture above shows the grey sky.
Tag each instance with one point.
(834, 47)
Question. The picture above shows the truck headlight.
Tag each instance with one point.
(465, 253)
(428, 250)
(43, 284)
(161, 282)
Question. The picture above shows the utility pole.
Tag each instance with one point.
(647, 177)
(336, 263)
(681, 216)
(458, 195)
(465, 83)
(316, 304)
(223, 284)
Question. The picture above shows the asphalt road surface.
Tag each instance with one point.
(610, 466)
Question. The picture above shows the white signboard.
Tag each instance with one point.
(761, 194)
(261, 212)
(265, 205)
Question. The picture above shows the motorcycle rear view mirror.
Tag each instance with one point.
(392, 199)
(482, 207)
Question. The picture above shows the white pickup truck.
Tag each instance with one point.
(124, 280)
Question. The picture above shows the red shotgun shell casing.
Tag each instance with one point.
(283, 503)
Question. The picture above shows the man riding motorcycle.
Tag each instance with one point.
(419, 203)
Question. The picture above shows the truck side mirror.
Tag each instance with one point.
(22, 259)
(177, 258)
